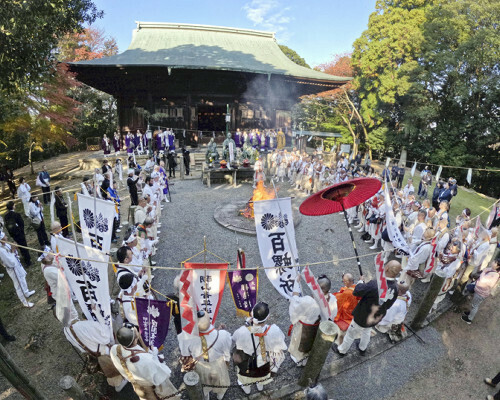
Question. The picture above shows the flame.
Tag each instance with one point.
(259, 193)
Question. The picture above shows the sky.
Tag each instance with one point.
(315, 29)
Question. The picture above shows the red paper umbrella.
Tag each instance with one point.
(340, 196)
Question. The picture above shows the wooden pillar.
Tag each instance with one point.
(427, 302)
(327, 332)
(17, 377)
(193, 386)
(72, 389)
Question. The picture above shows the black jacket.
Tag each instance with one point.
(14, 224)
(369, 298)
(60, 206)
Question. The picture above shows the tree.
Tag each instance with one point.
(29, 31)
(86, 45)
(97, 110)
(292, 55)
(383, 59)
(454, 101)
(41, 117)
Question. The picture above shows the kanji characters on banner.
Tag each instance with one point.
(276, 238)
(318, 295)
(153, 317)
(207, 284)
(88, 279)
(244, 284)
(395, 235)
(96, 221)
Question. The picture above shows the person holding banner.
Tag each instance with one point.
(10, 260)
(393, 322)
(131, 287)
(305, 318)
(125, 256)
(370, 309)
(208, 354)
(93, 338)
(418, 256)
(149, 377)
(259, 349)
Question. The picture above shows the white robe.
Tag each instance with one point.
(147, 371)
(15, 270)
(214, 371)
(275, 344)
(302, 310)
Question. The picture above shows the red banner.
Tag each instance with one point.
(207, 285)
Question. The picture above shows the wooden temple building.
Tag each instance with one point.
(187, 76)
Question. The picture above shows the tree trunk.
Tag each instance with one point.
(29, 158)
(353, 134)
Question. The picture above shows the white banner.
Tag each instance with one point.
(438, 174)
(276, 238)
(469, 176)
(207, 282)
(88, 279)
(324, 307)
(397, 239)
(413, 169)
(96, 222)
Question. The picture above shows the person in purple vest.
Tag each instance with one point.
(116, 142)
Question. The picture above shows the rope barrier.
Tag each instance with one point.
(332, 261)
(447, 166)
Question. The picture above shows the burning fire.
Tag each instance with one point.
(259, 193)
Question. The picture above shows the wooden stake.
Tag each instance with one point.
(72, 389)
(327, 332)
(193, 386)
(427, 302)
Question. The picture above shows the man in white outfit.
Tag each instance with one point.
(10, 260)
(149, 377)
(259, 342)
(210, 350)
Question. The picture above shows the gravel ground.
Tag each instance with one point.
(186, 221)
(189, 218)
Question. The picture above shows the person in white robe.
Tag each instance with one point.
(396, 314)
(210, 351)
(23, 192)
(94, 338)
(305, 318)
(149, 377)
(260, 340)
(132, 287)
(10, 260)
(417, 257)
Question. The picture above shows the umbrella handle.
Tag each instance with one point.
(352, 238)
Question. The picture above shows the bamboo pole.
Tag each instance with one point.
(427, 302)
(327, 332)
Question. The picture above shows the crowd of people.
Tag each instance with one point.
(461, 251)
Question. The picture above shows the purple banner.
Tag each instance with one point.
(153, 317)
(244, 284)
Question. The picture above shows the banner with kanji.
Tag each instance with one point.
(96, 221)
(207, 284)
(318, 295)
(395, 235)
(244, 285)
(276, 238)
(153, 317)
(88, 279)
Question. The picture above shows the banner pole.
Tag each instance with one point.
(76, 245)
(287, 235)
(352, 238)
